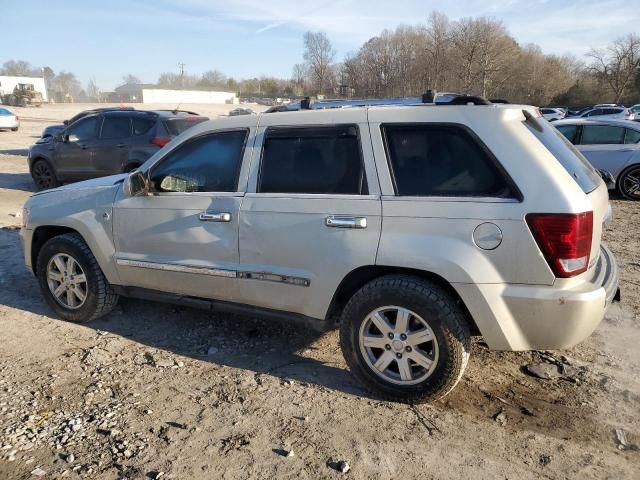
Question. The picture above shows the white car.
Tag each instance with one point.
(611, 146)
(408, 227)
(9, 120)
(553, 114)
(609, 113)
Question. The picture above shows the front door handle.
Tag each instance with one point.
(345, 221)
(120, 145)
(215, 216)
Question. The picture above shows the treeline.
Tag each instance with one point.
(476, 56)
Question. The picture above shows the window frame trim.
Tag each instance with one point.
(86, 118)
(313, 195)
(232, 193)
(517, 196)
(104, 119)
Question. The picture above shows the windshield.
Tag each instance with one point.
(175, 126)
(569, 157)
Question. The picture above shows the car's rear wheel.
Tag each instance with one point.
(43, 175)
(71, 280)
(14, 129)
(629, 183)
(405, 338)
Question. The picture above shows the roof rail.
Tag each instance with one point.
(428, 98)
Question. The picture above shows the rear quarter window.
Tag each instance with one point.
(569, 157)
(175, 126)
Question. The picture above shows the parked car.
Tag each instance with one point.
(553, 114)
(635, 109)
(409, 227)
(9, 120)
(52, 130)
(610, 113)
(104, 143)
(611, 146)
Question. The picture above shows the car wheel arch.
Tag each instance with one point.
(357, 278)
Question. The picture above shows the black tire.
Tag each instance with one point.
(100, 297)
(445, 316)
(628, 179)
(44, 176)
(14, 129)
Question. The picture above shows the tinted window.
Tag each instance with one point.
(601, 134)
(176, 126)
(84, 129)
(4, 111)
(441, 160)
(569, 157)
(116, 127)
(312, 160)
(632, 136)
(547, 111)
(205, 164)
(597, 111)
(142, 125)
(569, 131)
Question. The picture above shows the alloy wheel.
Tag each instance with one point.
(631, 184)
(43, 175)
(67, 281)
(398, 345)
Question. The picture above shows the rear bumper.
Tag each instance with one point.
(528, 317)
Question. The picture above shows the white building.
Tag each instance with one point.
(157, 95)
(7, 84)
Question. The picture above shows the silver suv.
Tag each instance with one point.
(410, 227)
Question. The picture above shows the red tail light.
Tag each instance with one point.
(160, 141)
(564, 239)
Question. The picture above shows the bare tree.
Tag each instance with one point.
(318, 56)
(19, 68)
(436, 50)
(131, 79)
(298, 77)
(93, 91)
(213, 79)
(617, 66)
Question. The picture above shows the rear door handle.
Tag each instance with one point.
(345, 221)
(208, 216)
(120, 145)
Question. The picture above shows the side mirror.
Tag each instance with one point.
(137, 184)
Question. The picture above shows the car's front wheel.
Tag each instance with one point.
(405, 338)
(71, 280)
(629, 183)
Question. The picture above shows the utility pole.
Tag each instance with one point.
(181, 66)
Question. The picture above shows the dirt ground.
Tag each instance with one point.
(155, 389)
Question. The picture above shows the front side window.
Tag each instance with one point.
(602, 135)
(84, 129)
(142, 125)
(115, 127)
(442, 160)
(312, 160)
(210, 163)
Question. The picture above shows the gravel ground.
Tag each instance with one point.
(158, 391)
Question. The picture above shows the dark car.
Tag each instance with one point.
(104, 143)
(51, 130)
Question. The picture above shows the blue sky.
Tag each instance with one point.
(247, 38)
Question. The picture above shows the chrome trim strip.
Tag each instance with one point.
(215, 272)
(172, 267)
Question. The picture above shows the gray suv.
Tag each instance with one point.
(104, 143)
(409, 227)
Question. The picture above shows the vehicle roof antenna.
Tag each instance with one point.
(175, 110)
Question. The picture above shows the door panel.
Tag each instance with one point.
(73, 159)
(167, 231)
(611, 158)
(287, 236)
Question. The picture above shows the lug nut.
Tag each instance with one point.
(408, 349)
(387, 347)
(390, 335)
(398, 355)
(403, 336)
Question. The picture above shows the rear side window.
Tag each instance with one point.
(205, 164)
(442, 160)
(312, 160)
(569, 131)
(602, 135)
(569, 157)
(632, 136)
(175, 126)
(142, 125)
(115, 127)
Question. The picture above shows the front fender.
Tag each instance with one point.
(88, 212)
